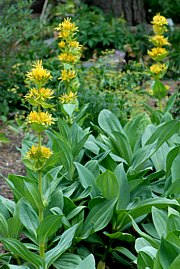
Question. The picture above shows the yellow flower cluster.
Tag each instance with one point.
(39, 95)
(42, 118)
(38, 153)
(38, 74)
(158, 53)
(39, 120)
(159, 24)
(158, 68)
(66, 28)
(70, 52)
(67, 74)
(159, 41)
(70, 98)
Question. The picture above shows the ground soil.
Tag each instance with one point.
(10, 159)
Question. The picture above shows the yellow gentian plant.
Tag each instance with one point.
(159, 54)
(69, 56)
(39, 120)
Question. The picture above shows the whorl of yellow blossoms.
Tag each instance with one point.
(159, 20)
(70, 98)
(39, 94)
(38, 153)
(158, 68)
(67, 74)
(68, 57)
(159, 24)
(66, 28)
(41, 118)
(38, 74)
(159, 41)
(157, 53)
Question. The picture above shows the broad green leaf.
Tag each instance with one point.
(144, 207)
(64, 243)
(19, 249)
(87, 179)
(48, 227)
(154, 243)
(122, 146)
(28, 217)
(51, 177)
(173, 223)
(109, 122)
(170, 102)
(167, 253)
(175, 264)
(160, 221)
(93, 166)
(12, 266)
(174, 188)
(163, 132)
(63, 147)
(173, 238)
(98, 217)
(135, 127)
(75, 212)
(3, 226)
(108, 185)
(142, 155)
(175, 169)
(124, 194)
(170, 158)
(8, 204)
(67, 261)
(121, 236)
(143, 260)
(125, 252)
(14, 223)
(88, 263)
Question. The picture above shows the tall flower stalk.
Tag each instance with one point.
(39, 120)
(69, 56)
(159, 53)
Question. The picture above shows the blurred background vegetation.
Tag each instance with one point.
(114, 35)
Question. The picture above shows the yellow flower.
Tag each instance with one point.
(74, 44)
(158, 68)
(67, 75)
(62, 44)
(41, 94)
(38, 153)
(159, 20)
(68, 98)
(42, 118)
(157, 53)
(38, 74)
(159, 40)
(67, 25)
(67, 57)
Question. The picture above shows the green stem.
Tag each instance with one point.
(41, 250)
(160, 105)
(17, 259)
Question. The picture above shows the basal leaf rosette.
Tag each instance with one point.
(158, 54)
(40, 121)
(38, 155)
